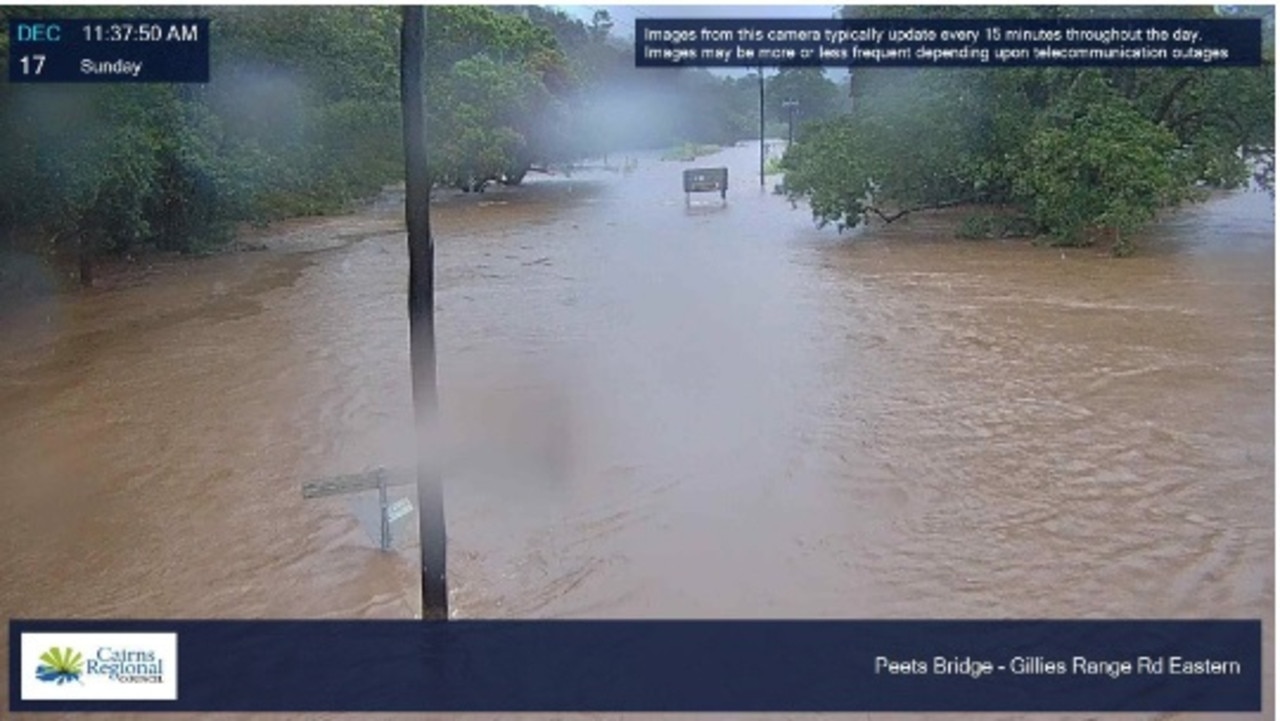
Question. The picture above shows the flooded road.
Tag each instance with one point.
(661, 410)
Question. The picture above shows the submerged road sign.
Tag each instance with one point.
(399, 509)
(379, 515)
(357, 482)
(706, 180)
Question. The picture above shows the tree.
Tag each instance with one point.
(1093, 161)
(485, 103)
(1082, 153)
(496, 77)
(819, 98)
(601, 24)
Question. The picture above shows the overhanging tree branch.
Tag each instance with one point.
(929, 206)
(1171, 96)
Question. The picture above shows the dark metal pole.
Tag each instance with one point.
(762, 126)
(422, 342)
(791, 107)
(384, 541)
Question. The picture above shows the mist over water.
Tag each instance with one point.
(659, 409)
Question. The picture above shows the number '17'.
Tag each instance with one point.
(27, 62)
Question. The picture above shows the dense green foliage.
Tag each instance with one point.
(302, 116)
(1083, 153)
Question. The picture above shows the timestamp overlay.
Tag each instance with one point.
(163, 50)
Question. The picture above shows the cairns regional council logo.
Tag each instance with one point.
(93, 666)
(60, 665)
(119, 665)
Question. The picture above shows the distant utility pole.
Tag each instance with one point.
(791, 106)
(762, 126)
(422, 342)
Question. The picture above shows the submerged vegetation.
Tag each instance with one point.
(690, 151)
(1081, 153)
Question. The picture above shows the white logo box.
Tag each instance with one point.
(101, 647)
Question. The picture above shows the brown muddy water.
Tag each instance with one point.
(657, 410)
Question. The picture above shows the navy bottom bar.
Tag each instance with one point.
(728, 666)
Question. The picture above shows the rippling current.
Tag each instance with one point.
(655, 409)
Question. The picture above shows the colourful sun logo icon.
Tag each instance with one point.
(60, 666)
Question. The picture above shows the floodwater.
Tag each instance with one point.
(659, 410)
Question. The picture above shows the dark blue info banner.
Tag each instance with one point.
(949, 43)
(166, 50)
(622, 666)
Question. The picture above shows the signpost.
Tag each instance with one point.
(360, 485)
(706, 180)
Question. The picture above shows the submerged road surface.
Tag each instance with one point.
(657, 410)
